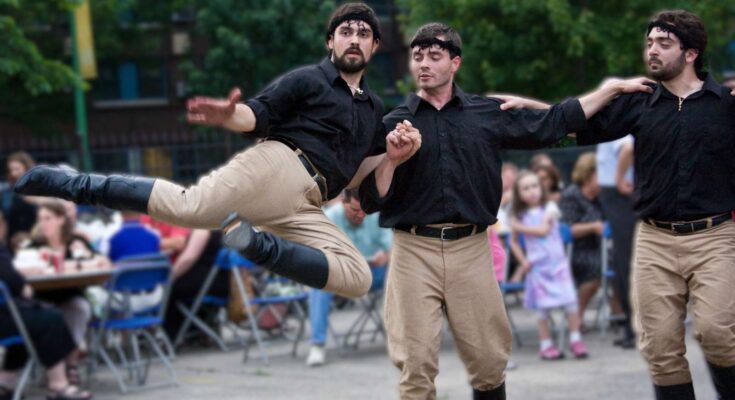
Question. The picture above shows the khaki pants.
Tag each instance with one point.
(671, 269)
(267, 185)
(428, 276)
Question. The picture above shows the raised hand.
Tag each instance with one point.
(403, 142)
(212, 111)
(631, 85)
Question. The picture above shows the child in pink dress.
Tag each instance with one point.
(549, 283)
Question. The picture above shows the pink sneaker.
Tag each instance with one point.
(579, 349)
(551, 353)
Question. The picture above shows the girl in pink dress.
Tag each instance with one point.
(549, 282)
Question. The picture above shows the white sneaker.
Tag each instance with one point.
(316, 356)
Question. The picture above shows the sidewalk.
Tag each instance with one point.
(367, 373)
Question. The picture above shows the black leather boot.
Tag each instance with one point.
(684, 391)
(302, 264)
(496, 394)
(118, 192)
(724, 379)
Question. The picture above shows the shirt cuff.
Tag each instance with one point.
(369, 196)
(261, 116)
(574, 115)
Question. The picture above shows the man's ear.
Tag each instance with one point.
(456, 63)
(690, 55)
(376, 45)
(330, 43)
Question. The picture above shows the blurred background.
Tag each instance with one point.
(140, 60)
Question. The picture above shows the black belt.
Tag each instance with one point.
(321, 182)
(689, 227)
(445, 233)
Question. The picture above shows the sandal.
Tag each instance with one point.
(6, 393)
(70, 392)
(72, 374)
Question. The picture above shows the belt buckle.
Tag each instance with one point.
(444, 228)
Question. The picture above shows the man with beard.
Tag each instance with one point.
(440, 203)
(317, 124)
(685, 248)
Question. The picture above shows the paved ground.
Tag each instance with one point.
(367, 373)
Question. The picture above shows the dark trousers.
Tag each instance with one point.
(619, 213)
(185, 290)
(48, 332)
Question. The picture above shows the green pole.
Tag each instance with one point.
(79, 106)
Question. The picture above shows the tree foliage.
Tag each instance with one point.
(556, 48)
(251, 42)
(29, 56)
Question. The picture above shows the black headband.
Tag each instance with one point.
(447, 45)
(683, 38)
(364, 16)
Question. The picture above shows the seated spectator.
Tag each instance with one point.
(54, 235)
(374, 244)
(19, 211)
(173, 238)
(582, 210)
(189, 273)
(48, 332)
(133, 238)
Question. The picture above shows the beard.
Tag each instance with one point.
(668, 72)
(350, 66)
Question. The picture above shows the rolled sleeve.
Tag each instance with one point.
(574, 115)
(370, 199)
(262, 118)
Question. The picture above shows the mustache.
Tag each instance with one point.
(353, 49)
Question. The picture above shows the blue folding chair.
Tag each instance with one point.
(22, 338)
(283, 299)
(226, 260)
(231, 261)
(133, 277)
(156, 257)
(369, 314)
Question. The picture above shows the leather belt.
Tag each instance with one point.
(321, 182)
(445, 233)
(691, 226)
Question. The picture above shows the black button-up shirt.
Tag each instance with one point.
(313, 108)
(455, 175)
(684, 158)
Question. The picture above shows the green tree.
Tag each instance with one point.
(555, 48)
(251, 42)
(32, 61)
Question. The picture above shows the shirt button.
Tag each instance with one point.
(442, 134)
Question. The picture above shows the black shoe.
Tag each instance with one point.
(115, 191)
(724, 380)
(294, 261)
(496, 394)
(684, 391)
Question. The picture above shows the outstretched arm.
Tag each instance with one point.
(226, 113)
(609, 89)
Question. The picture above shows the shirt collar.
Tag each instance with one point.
(710, 85)
(414, 100)
(333, 76)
